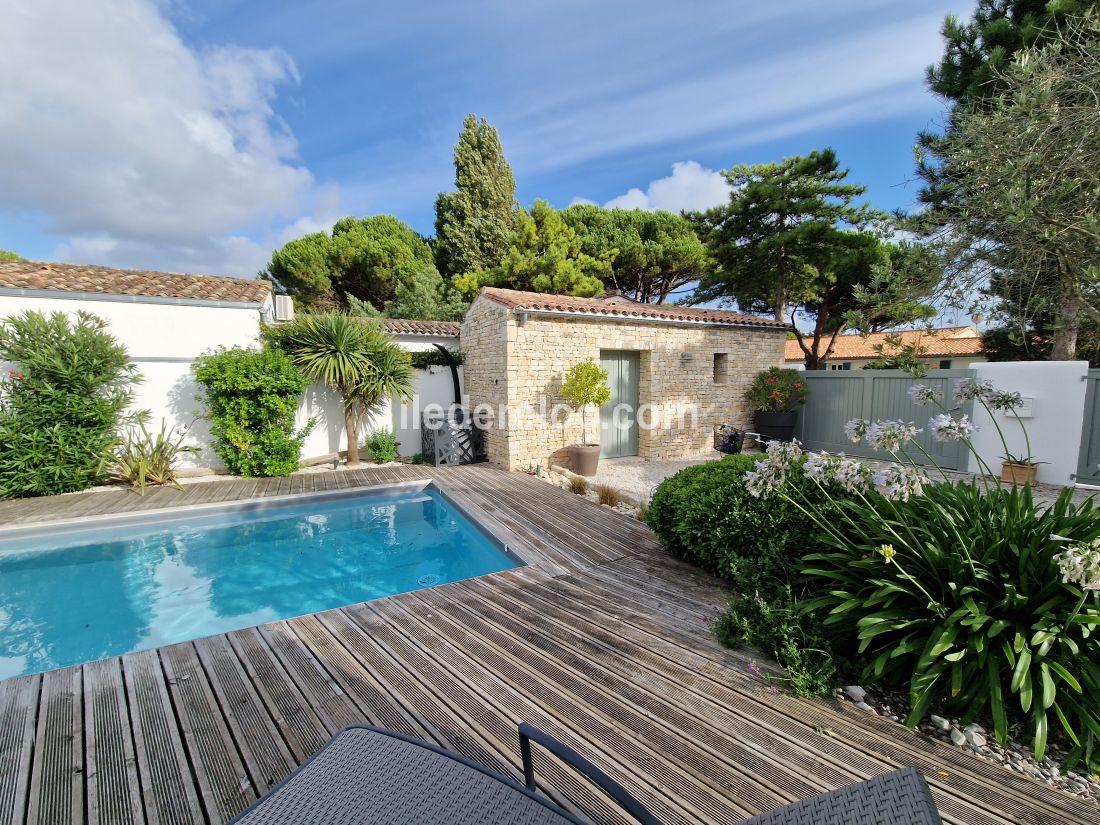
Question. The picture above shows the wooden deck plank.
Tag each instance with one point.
(602, 640)
(113, 784)
(220, 775)
(57, 781)
(18, 707)
(265, 755)
(302, 730)
(167, 784)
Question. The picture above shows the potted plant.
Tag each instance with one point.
(585, 383)
(775, 394)
(1019, 469)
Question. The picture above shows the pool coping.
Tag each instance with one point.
(498, 534)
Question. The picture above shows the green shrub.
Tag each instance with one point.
(704, 515)
(957, 596)
(62, 402)
(142, 458)
(777, 390)
(578, 485)
(606, 494)
(780, 629)
(382, 446)
(251, 398)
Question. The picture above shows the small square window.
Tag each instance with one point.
(721, 367)
(945, 364)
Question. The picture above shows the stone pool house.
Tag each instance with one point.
(661, 360)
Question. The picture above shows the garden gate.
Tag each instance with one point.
(1088, 465)
(838, 396)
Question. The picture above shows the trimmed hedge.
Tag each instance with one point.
(704, 515)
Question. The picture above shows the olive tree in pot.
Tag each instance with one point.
(775, 395)
(585, 383)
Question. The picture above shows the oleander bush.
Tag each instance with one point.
(63, 402)
(251, 398)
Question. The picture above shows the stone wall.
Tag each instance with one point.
(522, 365)
(486, 330)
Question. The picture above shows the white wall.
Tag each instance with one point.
(1058, 392)
(155, 330)
(163, 340)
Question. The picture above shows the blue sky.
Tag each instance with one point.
(198, 135)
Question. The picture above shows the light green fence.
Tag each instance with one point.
(1088, 466)
(836, 397)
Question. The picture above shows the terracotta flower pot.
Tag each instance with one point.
(778, 425)
(1015, 473)
(584, 458)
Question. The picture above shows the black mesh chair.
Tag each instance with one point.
(370, 776)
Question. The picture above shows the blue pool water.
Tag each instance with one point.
(78, 596)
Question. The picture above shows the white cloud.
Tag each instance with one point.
(135, 148)
(690, 187)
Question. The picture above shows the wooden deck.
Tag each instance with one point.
(601, 641)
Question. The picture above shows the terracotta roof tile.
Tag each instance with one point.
(618, 306)
(109, 281)
(403, 326)
(936, 343)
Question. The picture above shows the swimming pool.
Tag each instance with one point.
(76, 593)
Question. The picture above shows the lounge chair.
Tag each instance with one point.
(370, 776)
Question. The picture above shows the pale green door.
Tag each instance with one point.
(619, 416)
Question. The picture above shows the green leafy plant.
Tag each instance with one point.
(382, 446)
(777, 390)
(142, 458)
(792, 636)
(354, 357)
(251, 398)
(892, 353)
(578, 485)
(606, 494)
(963, 592)
(585, 383)
(957, 595)
(416, 458)
(63, 402)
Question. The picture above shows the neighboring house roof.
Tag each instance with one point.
(403, 326)
(33, 275)
(615, 306)
(935, 343)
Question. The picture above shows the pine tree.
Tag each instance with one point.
(473, 224)
(780, 223)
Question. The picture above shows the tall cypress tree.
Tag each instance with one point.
(473, 224)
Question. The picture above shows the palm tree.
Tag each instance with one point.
(354, 357)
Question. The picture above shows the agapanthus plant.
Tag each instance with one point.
(964, 593)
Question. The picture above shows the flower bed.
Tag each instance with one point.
(966, 596)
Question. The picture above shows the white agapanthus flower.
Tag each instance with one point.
(945, 428)
(853, 475)
(1080, 564)
(765, 479)
(821, 467)
(771, 473)
(899, 482)
(971, 389)
(891, 436)
(921, 394)
(856, 429)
